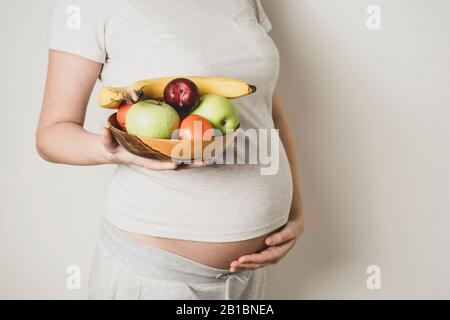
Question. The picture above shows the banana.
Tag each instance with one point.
(111, 98)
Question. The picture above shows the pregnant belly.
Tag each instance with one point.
(216, 255)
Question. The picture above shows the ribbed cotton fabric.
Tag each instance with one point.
(127, 269)
(141, 39)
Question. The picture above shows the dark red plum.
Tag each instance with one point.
(182, 94)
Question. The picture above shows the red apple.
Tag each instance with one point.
(182, 94)
(122, 114)
(196, 128)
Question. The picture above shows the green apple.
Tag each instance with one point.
(219, 111)
(152, 119)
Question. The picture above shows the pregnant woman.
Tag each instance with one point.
(193, 231)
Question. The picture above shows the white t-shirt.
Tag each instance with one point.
(141, 39)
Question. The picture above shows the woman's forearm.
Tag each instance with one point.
(286, 137)
(69, 143)
(60, 137)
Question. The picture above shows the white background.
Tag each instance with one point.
(370, 112)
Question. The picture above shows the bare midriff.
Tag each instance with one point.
(216, 255)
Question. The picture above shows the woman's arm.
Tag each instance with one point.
(281, 242)
(60, 137)
(281, 123)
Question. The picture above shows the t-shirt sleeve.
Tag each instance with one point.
(78, 27)
(262, 17)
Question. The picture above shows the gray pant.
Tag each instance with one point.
(126, 268)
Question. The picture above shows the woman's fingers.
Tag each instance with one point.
(167, 165)
(280, 243)
(108, 140)
(243, 267)
(237, 266)
(111, 145)
(196, 164)
(269, 256)
(289, 232)
(262, 257)
(154, 164)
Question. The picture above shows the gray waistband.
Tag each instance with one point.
(150, 261)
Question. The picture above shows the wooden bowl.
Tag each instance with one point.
(169, 149)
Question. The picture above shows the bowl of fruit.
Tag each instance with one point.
(191, 118)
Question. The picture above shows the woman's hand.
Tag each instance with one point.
(279, 244)
(118, 154)
(60, 134)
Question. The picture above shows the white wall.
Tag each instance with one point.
(368, 109)
(48, 212)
